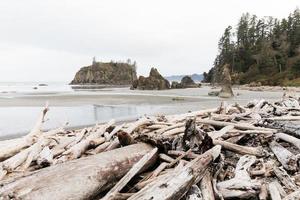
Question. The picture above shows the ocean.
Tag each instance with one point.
(21, 103)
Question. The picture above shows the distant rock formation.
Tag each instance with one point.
(112, 73)
(226, 91)
(155, 81)
(186, 82)
(177, 78)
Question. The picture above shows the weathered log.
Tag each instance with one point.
(206, 187)
(78, 149)
(132, 172)
(242, 126)
(257, 151)
(194, 193)
(284, 178)
(274, 192)
(241, 186)
(177, 183)
(10, 147)
(78, 179)
(293, 196)
(220, 133)
(263, 194)
(289, 139)
(284, 156)
(166, 158)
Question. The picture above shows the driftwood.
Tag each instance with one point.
(165, 157)
(206, 187)
(175, 185)
(9, 148)
(284, 156)
(257, 151)
(289, 138)
(241, 186)
(92, 175)
(132, 172)
(274, 192)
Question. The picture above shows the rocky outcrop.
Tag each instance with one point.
(226, 91)
(186, 82)
(111, 73)
(155, 81)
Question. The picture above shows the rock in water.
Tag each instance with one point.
(186, 82)
(155, 81)
(112, 73)
(226, 91)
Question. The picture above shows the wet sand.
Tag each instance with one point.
(19, 111)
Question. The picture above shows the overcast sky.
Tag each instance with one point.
(49, 40)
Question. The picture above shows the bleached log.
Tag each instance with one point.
(77, 150)
(92, 175)
(284, 178)
(10, 147)
(174, 131)
(242, 126)
(78, 138)
(97, 141)
(113, 145)
(133, 126)
(34, 152)
(288, 138)
(171, 164)
(274, 192)
(113, 132)
(45, 157)
(24, 157)
(194, 193)
(293, 196)
(241, 185)
(220, 133)
(158, 170)
(176, 183)
(206, 187)
(284, 156)
(152, 155)
(285, 118)
(180, 117)
(169, 128)
(63, 142)
(250, 132)
(263, 194)
(243, 150)
(280, 188)
(166, 158)
(101, 148)
(190, 155)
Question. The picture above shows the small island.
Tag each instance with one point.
(106, 73)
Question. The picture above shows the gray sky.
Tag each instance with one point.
(49, 40)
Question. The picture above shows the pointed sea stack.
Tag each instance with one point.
(155, 81)
(226, 91)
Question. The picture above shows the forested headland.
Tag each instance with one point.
(265, 50)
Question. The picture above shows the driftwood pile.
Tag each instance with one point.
(230, 152)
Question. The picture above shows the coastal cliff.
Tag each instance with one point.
(112, 73)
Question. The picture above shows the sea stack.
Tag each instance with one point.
(110, 73)
(226, 91)
(186, 82)
(155, 81)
